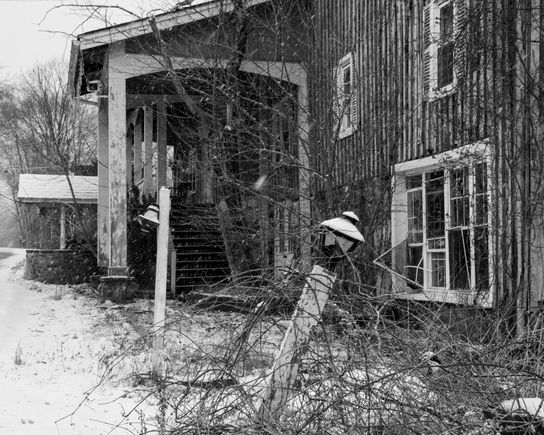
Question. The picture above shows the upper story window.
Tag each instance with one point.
(444, 49)
(346, 107)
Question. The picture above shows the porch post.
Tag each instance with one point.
(130, 156)
(148, 151)
(117, 163)
(304, 174)
(162, 152)
(138, 150)
(62, 226)
(103, 212)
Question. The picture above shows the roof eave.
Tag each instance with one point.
(164, 21)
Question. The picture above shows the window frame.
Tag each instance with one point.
(346, 104)
(468, 156)
(435, 44)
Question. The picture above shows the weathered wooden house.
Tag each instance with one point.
(216, 95)
(435, 137)
(422, 116)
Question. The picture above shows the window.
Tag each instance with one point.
(440, 227)
(346, 104)
(443, 46)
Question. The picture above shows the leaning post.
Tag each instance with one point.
(161, 272)
(339, 236)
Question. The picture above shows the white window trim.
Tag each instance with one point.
(432, 50)
(344, 126)
(399, 225)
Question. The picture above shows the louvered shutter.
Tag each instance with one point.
(354, 101)
(426, 48)
(460, 53)
(337, 98)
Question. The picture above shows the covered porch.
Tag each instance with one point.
(223, 125)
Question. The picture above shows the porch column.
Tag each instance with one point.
(62, 226)
(304, 174)
(162, 153)
(103, 212)
(117, 162)
(148, 151)
(130, 155)
(138, 150)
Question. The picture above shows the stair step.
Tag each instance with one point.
(197, 238)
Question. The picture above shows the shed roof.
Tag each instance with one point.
(39, 188)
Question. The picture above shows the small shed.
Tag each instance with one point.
(48, 203)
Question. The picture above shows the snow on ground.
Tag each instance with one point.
(50, 360)
(71, 363)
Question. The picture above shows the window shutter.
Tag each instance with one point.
(426, 48)
(337, 93)
(354, 98)
(460, 38)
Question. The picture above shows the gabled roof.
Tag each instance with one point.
(39, 188)
(167, 20)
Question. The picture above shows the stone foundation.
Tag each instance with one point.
(59, 266)
(119, 289)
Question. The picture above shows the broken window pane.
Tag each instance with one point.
(414, 266)
(415, 217)
(438, 266)
(435, 204)
(459, 258)
(481, 259)
(459, 198)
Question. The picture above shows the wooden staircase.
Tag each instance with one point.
(201, 259)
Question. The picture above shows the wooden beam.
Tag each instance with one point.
(133, 65)
(103, 211)
(117, 132)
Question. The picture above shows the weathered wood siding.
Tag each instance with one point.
(498, 97)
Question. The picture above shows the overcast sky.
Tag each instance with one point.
(32, 31)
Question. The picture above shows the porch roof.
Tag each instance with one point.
(40, 188)
(198, 10)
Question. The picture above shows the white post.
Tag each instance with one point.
(103, 212)
(62, 226)
(160, 279)
(162, 150)
(117, 177)
(279, 381)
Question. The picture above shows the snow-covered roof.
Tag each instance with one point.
(55, 188)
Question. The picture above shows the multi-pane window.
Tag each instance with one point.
(446, 230)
